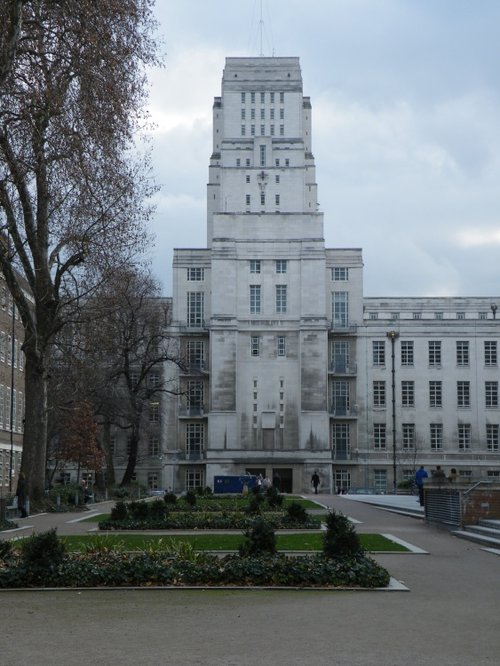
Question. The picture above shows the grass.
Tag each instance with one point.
(222, 542)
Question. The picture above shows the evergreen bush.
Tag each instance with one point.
(274, 497)
(260, 540)
(119, 512)
(170, 498)
(296, 512)
(340, 540)
(191, 498)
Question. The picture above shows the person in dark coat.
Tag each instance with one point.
(315, 482)
(21, 495)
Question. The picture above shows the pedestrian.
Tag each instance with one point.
(315, 482)
(453, 475)
(438, 474)
(21, 495)
(420, 477)
(267, 483)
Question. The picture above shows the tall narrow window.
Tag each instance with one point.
(281, 345)
(378, 352)
(340, 307)
(408, 394)
(490, 352)
(491, 394)
(254, 265)
(492, 430)
(435, 352)
(436, 436)
(408, 435)
(255, 293)
(407, 352)
(255, 345)
(195, 307)
(464, 436)
(462, 353)
(435, 394)
(281, 265)
(463, 394)
(379, 435)
(281, 298)
(379, 393)
(262, 150)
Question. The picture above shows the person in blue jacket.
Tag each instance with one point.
(420, 477)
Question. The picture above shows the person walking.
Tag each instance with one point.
(315, 482)
(420, 477)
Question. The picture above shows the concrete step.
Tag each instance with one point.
(489, 522)
(479, 536)
(484, 529)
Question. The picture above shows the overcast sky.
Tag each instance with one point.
(406, 129)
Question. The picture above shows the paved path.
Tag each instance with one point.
(450, 617)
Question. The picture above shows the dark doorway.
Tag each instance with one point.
(283, 479)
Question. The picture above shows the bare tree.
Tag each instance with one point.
(72, 191)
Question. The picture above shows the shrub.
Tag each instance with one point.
(138, 510)
(254, 504)
(170, 498)
(5, 550)
(208, 492)
(157, 509)
(43, 552)
(296, 512)
(340, 540)
(273, 497)
(260, 540)
(190, 498)
(119, 512)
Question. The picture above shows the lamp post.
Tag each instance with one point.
(393, 335)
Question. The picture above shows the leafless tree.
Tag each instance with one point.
(73, 190)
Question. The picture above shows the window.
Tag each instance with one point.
(378, 352)
(271, 130)
(282, 114)
(252, 97)
(153, 483)
(195, 477)
(436, 435)
(438, 315)
(281, 348)
(379, 435)
(460, 315)
(252, 114)
(490, 353)
(271, 97)
(262, 97)
(373, 316)
(464, 436)
(277, 179)
(341, 401)
(483, 315)
(154, 412)
(340, 273)
(195, 274)
(341, 440)
(282, 97)
(282, 131)
(435, 353)
(154, 446)
(247, 161)
(262, 199)
(243, 130)
(242, 97)
(262, 130)
(255, 345)
(277, 199)
(262, 114)
(194, 438)
(462, 353)
(243, 114)
(247, 178)
(340, 307)
(154, 379)
(435, 394)
(408, 394)
(195, 309)
(491, 394)
(492, 436)
(380, 480)
(408, 435)
(254, 265)
(379, 393)
(394, 316)
(340, 356)
(417, 315)
(277, 162)
(463, 394)
(195, 397)
(407, 352)
(262, 150)
(255, 294)
(195, 354)
(281, 296)
(247, 199)
(252, 130)
(281, 265)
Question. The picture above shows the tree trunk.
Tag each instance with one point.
(35, 426)
(106, 447)
(132, 458)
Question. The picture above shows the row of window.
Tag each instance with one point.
(9, 351)
(394, 316)
(256, 298)
(262, 199)
(256, 343)
(248, 162)
(434, 352)
(463, 393)
(271, 132)
(263, 97)
(197, 273)
(436, 436)
(11, 404)
(272, 113)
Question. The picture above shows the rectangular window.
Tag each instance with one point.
(195, 434)
(277, 199)
(195, 397)
(341, 440)
(379, 393)
(262, 199)
(340, 307)
(282, 97)
(438, 315)
(282, 130)
(373, 316)
(277, 179)
(417, 315)
(483, 315)
(464, 436)
(254, 265)
(490, 352)
(262, 97)
(380, 480)
(252, 114)
(281, 348)
(491, 394)
(340, 273)
(154, 446)
(271, 130)
(262, 114)
(463, 394)
(252, 98)
(436, 436)
(492, 436)
(153, 482)
(408, 394)
(195, 355)
(247, 178)
(281, 265)
(252, 130)
(243, 130)
(195, 478)
(196, 274)
(154, 379)
(242, 97)
(379, 435)
(378, 352)
(462, 353)
(255, 345)
(243, 114)
(282, 114)
(277, 162)
(460, 315)
(271, 97)
(408, 435)
(341, 399)
(154, 412)
(262, 130)
(407, 352)
(195, 309)
(262, 153)
(435, 394)
(255, 295)
(281, 297)
(435, 353)
(247, 161)
(340, 356)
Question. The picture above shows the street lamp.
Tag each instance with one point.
(393, 335)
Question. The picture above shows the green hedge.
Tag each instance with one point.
(125, 569)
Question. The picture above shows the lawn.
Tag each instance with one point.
(223, 542)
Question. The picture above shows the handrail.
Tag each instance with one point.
(478, 483)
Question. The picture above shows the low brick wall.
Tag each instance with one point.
(455, 505)
(480, 504)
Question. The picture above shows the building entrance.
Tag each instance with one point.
(283, 479)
